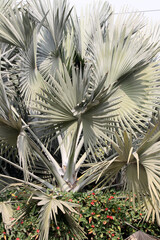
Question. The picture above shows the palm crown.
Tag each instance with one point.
(68, 85)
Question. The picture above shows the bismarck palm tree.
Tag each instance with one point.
(67, 87)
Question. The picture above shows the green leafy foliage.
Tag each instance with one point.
(103, 215)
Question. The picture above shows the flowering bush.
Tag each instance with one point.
(102, 215)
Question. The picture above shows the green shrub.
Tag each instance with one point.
(102, 215)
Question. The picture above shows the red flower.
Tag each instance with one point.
(109, 231)
(18, 208)
(112, 234)
(17, 238)
(22, 222)
(93, 213)
(80, 215)
(111, 197)
(93, 193)
(140, 214)
(77, 201)
(106, 208)
(114, 193)
(119, 208)
(58, 228)
(70, 200)
(111, 217)
(92, 226)
(37, 231)
(4, 232)
(92, 203)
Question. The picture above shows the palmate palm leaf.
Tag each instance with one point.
(14, 28)
(125, 52)
(141, 163)
(56, 14)
(19, 30)
(85, 27)
(78, 102)
(31, 81)
(50, 207)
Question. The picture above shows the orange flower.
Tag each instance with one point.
(104, 223)
(90, 219)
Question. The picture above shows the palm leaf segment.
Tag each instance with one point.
(7, 213)
(4, 5)
(141, 164)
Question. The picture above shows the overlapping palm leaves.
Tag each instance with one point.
(73, 105)
(141, 163)
(85, 78)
